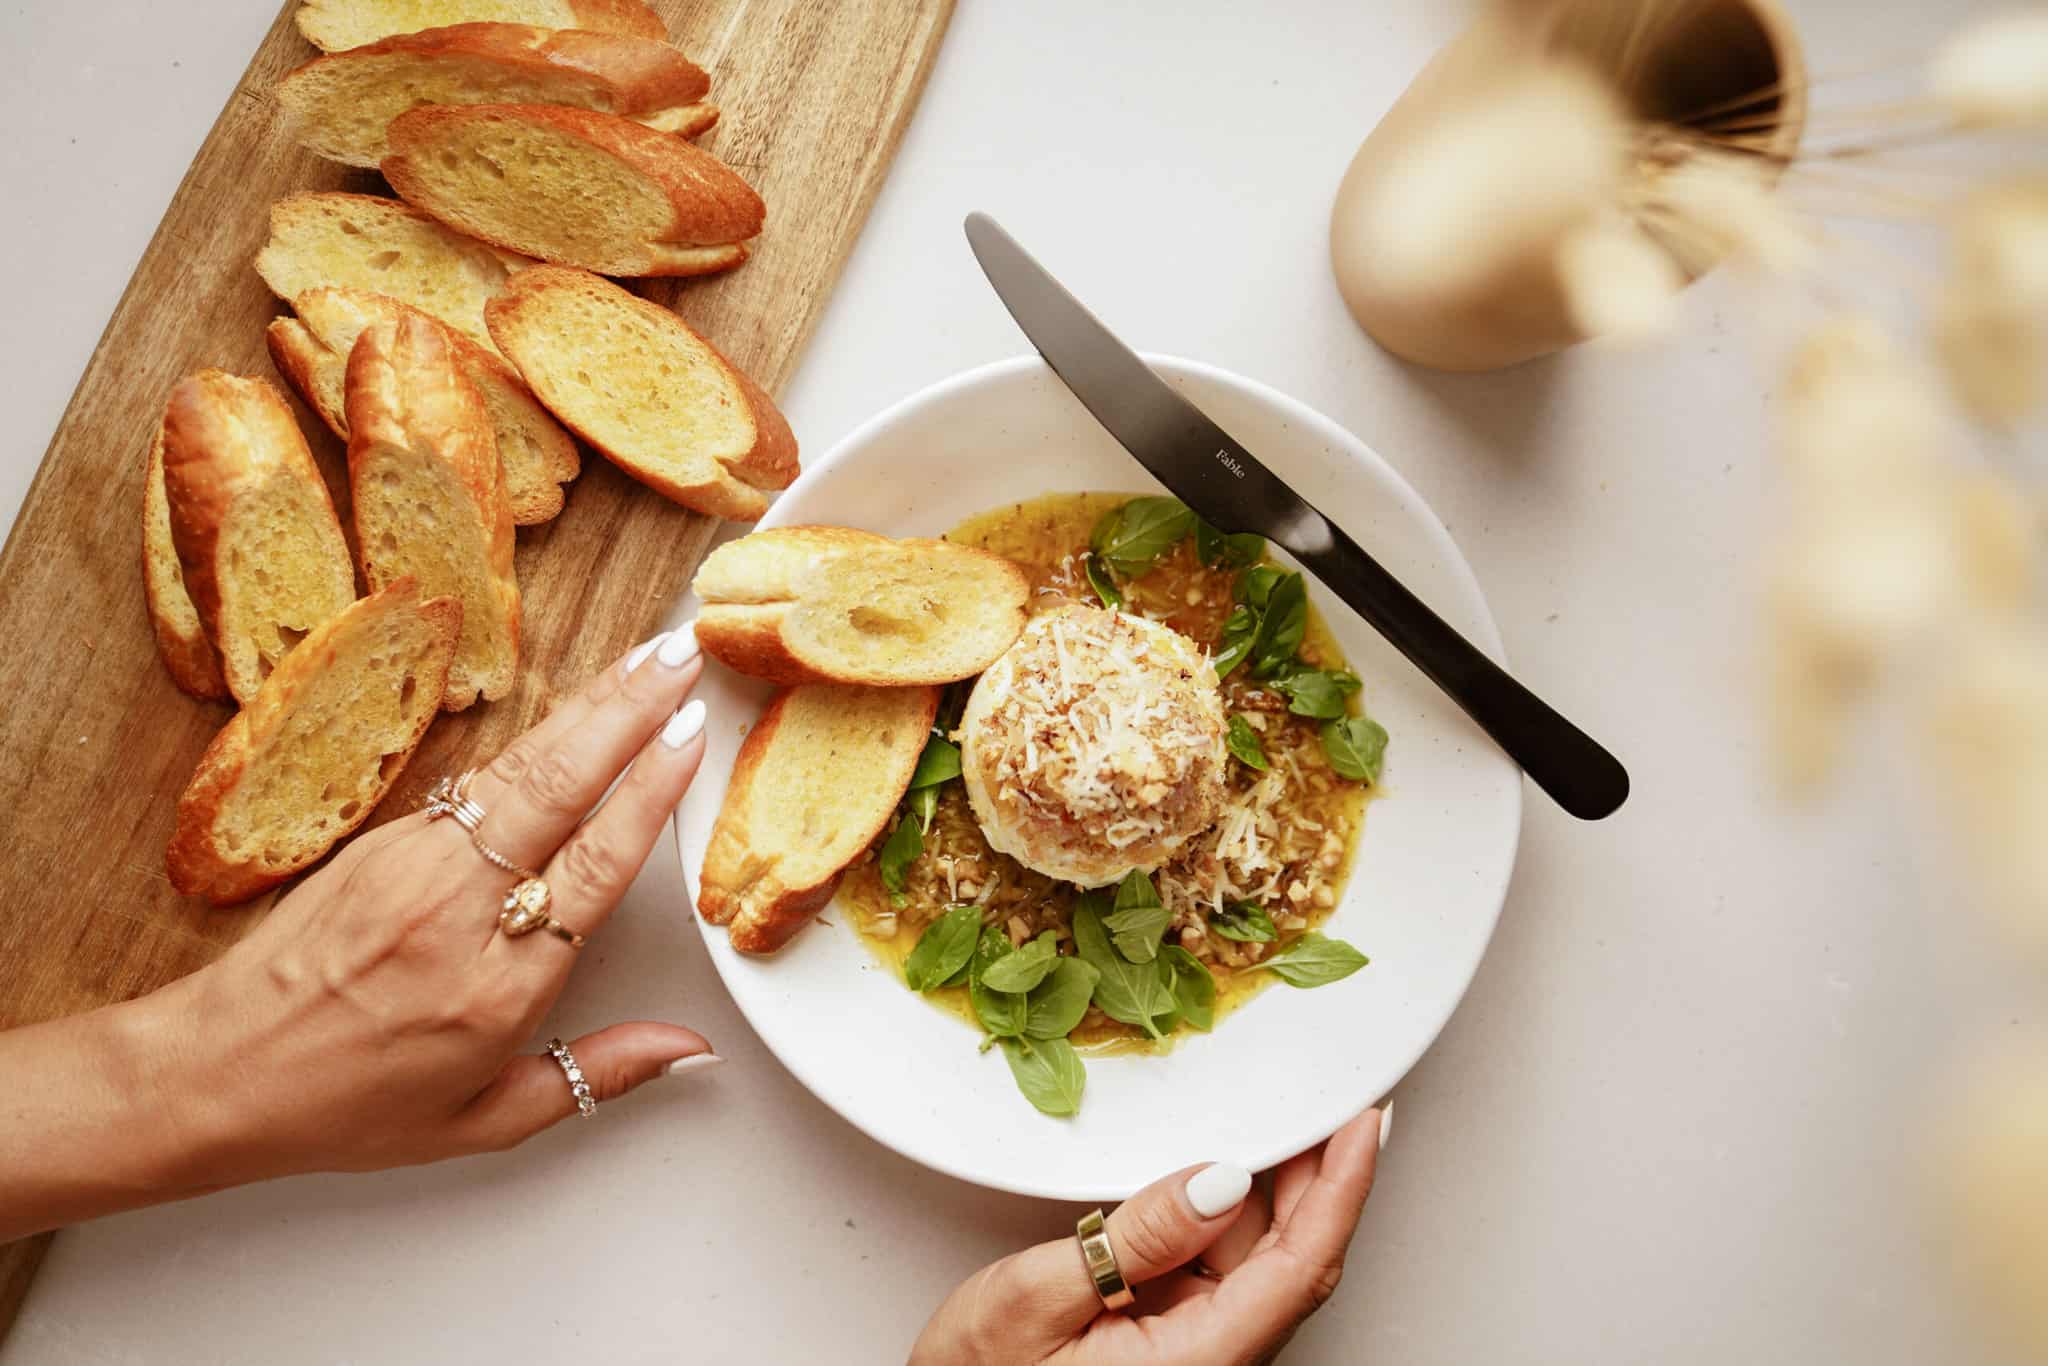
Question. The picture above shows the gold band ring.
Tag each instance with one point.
(1100, 1259)
(526, 906)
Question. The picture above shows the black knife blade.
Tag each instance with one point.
(1226, 485)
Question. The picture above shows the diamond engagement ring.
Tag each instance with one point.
(586, 1104)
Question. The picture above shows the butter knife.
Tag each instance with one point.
(1227, 486)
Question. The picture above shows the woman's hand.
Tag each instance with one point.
(1225, 1268)
(377, 1016)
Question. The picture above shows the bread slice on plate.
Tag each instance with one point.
(651, 395)
(335, 25)
(180, 638)
(259, 548)
(359, 241)
(574, 187)
(312, 351)
(815, 782)
(318, 746)
(429, 505)
(340, 105)
(830, 604)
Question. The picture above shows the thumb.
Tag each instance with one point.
(1166, 1225)
(533, 1090)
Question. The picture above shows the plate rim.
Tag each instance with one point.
(1168, 367)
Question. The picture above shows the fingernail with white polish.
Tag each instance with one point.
(1218, 1187)
(696, 1062)
(1386, 1123)
(683, 726)
(679, 647)
(642, 650)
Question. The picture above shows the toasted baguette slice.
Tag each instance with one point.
(654, 397)
(814, 784)
(341, 105)
(829, 604)
(359, 241)
(180, 639)
(315, 750)
(429, 505)
(574, 187)
(336, 25)
(259, 546)
(312, 350)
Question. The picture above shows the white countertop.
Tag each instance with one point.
(1682, 1116)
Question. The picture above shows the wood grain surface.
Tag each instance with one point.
(96, 743)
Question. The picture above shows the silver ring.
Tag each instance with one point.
(586, 1104)
(451, 798)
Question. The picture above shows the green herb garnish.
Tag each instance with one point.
(1048, 1072)
(1245, 922)
(1194, 989)
(1131, 538)
(1137, 919)
(1317, 693)
(1280, 627)
(1241, 740)
(1058, 1003)
(1025, 968)
(1102, 581)
(1356, 747)
(904, 845)
(1135, 993)
(943, 949)
(1315, 960)
(1002, 1013)
(1240, 630)
(1234, 551)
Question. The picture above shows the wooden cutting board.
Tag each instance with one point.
(95, 742)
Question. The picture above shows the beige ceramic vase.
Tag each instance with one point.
(1498, 297)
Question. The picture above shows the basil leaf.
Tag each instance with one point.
(1194, 990)
(1356, 747)
(1048, 1072)
(1129, 538)
(1135, 993)
(1102, 581)
(1315, 960)
(1058, 1003)
(904, 846)
(1240, 630)
(1024, 969)
(939, 763)
(1255, 585)
(1245, 922)
(924, 804)
(943, 949)
(1137, 919)
(1316, 693)
(1001, 1012)
(1240, 739)
(1233, 551)
(1281, 628)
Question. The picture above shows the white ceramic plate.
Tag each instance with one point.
(1287, 1069)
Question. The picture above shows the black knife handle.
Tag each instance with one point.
(1564, 761)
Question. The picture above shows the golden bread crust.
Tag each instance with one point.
(635, 78)
(180, 638)
(519, 325)
(405, 389)
(338, 25)
(709, 205)
(224, 438)
(195, 859)
(744, 884)
(311, 351)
